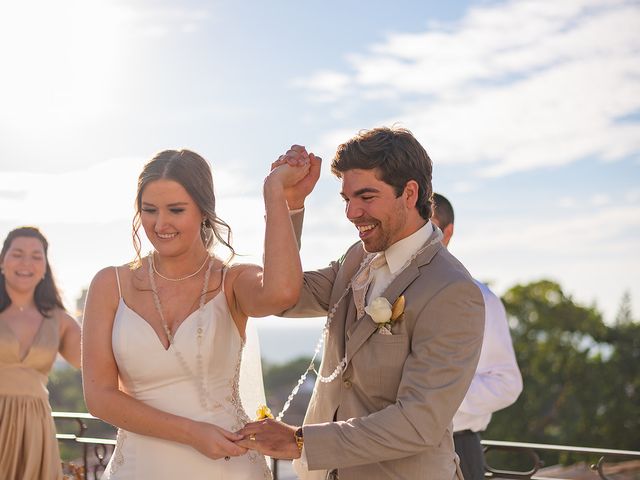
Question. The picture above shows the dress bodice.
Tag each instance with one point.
(167, 379)
(28, 375)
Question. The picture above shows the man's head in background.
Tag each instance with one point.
(443, 216)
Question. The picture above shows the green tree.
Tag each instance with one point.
(279, 380)
(65, 390)
(580, 376)
(624, 315)
(65, 395)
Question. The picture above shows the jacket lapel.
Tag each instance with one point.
(362, 329)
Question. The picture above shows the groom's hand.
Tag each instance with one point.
(295, 156)
(269, 437)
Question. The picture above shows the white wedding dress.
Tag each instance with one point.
(156, 377)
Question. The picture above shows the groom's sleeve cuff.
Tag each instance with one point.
(300, 465)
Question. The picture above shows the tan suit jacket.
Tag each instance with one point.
(389, 415)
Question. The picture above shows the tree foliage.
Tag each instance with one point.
(581, 376)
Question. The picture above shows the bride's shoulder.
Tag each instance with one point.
(117, 276)
(239, 271)
(240, 268)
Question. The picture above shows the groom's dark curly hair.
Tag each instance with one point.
(396, 154)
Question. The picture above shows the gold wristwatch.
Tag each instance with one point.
(299, 438)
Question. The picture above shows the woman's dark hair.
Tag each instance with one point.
(46, 296)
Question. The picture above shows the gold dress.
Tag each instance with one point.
(28, 446)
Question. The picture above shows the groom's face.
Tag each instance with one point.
(373, 207)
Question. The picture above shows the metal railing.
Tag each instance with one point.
(530, 450)
(97, 451)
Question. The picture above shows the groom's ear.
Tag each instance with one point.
(410, 193)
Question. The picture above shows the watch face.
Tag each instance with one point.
(299, 438)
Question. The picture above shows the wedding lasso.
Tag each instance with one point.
(312, 365)
(264, 411)
(325, 332)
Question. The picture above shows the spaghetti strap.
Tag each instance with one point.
(224, 275)
(118, 279)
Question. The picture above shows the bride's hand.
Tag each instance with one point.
(295, 156)
(215, 442)
(288, 174)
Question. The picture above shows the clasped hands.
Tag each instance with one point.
(297, 156)
(270, 437)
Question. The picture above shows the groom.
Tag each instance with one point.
(405, 324)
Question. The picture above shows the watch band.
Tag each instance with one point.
(299, 437)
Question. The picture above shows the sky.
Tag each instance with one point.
(530, 111)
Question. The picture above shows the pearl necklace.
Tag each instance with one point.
(325, 331)
(197, 376)
(153, 266)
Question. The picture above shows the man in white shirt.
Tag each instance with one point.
(497, 381)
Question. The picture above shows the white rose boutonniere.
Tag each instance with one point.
(384, 314)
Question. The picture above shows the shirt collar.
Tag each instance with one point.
(400, 252)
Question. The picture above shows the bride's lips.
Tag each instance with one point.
(166, 236)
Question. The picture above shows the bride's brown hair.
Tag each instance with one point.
(194, 174)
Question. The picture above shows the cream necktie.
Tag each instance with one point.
(363, 279)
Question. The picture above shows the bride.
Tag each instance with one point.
(163, 336)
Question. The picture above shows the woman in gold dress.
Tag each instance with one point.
(34, 327)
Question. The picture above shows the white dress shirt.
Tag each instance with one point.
(497, 381)
(397, 256)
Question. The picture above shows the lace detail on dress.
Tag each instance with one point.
(118, 457)
(241, 416)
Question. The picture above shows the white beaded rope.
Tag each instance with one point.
(312, 367)
(198, 377)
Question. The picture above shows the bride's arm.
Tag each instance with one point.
(275, 287)
(104, 398)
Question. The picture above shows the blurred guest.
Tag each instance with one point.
(497, 381)
(34, 328)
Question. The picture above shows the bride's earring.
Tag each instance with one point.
(206, 231)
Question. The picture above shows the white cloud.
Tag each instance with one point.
(592, 253)
(513, 86)
(600, 199)
(327, 86)
(464, 187)
(567, 202)
(632, 196)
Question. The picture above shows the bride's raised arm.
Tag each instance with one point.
(276, 286)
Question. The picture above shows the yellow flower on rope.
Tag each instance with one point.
(263, 412)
